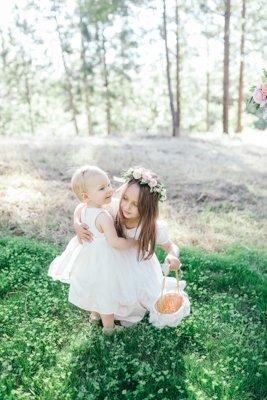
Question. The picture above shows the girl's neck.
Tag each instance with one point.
(131, 223)
(92, 205)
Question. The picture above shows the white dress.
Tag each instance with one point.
(148, 279)
(98, 274)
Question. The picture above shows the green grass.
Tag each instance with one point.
(49, 351)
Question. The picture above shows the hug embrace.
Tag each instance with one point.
(110, 265)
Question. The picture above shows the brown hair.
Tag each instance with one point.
(148, 208)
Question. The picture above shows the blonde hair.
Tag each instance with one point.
(80, 180)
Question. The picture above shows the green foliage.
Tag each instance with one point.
(49, 351)
(35, 85)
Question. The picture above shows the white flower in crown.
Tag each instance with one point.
(137, 173)
(146, 176)
(152, 183)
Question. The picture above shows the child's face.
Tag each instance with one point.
(100, 190)
(129, 202)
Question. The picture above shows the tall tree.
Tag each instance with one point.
(101, 40)
(64, 46)
(207, 84)
(4, 84)
(106, 81)
(178, 72)
(211, 32)
(26, 67)
(241, 69)
(227, 15)
(26, 62)
(85, 67)
(100, 17)
(174, 113)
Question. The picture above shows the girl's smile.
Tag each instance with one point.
(99, 190)
(126, 213)
(109, 197)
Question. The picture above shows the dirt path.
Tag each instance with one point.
(216, 186)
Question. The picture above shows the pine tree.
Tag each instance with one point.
(64, 46)
(241, 69)
(226, 61)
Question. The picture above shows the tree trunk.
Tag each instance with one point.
(29, 101)
(3, 54)
(68, 81)
(227, 15)
(207, 88)
(173, 113)
(241, 70)
(106, 82)
(27, 91)
(178, 62)
(85, 81)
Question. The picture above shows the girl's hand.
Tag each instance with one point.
(83, 233)
(173, 262)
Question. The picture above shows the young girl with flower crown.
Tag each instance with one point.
(97, 272)
(136, 217)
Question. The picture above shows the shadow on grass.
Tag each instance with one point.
(138, 363)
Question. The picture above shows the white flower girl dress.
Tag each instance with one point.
(101, 278)
(148, 278)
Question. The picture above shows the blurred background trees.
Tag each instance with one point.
(119, 66)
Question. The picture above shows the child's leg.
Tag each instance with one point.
(107, 320)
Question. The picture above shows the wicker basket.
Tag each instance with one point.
(169, 302)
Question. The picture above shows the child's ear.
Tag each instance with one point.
(85, 197)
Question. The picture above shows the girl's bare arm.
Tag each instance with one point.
(105, 223)
(172, 258)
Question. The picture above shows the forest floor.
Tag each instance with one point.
(216, 185)
(216, 211)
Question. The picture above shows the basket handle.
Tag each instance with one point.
(177, 278)
(164, 282)
(162, 287)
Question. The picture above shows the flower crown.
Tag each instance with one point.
(144, 177)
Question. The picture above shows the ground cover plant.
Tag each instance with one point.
(49, 351)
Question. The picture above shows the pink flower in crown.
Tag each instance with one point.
(137, 174)
(264, 88)
(152, 183)
(258, 96)
(146, 176)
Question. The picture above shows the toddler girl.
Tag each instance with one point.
(97, 272)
